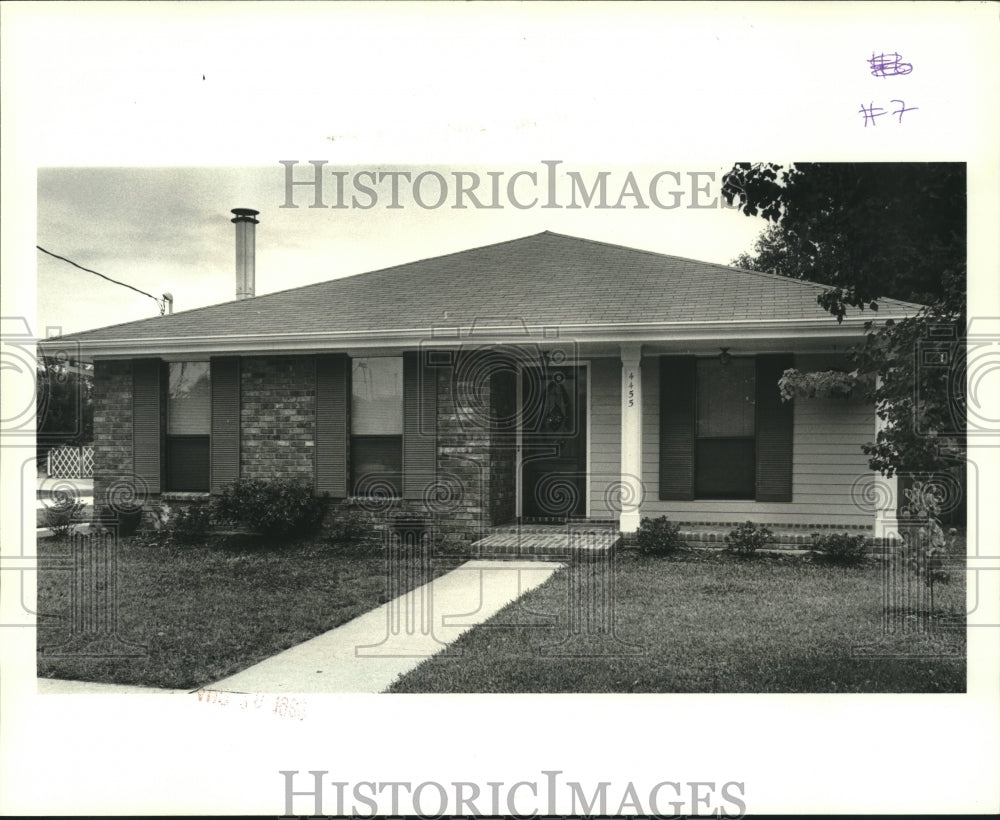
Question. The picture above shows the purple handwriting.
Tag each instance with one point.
(871, 112)
(888, 65)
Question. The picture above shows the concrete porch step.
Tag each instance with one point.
(547, 542)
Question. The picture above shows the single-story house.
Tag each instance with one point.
(547, 378)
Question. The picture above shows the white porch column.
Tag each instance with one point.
(631, 479)
(886, 494)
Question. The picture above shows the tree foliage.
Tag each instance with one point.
(871, 231)
(777, 251)
(867, 230)
(64, 404)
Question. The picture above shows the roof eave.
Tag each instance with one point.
(821, 328)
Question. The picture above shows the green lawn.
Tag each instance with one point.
(203, 612)
(701, 621)
(711, 622)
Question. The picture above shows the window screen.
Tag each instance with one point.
(377, 426)
(726, 398)
(377, 396)
(189, 426)
(725, 447)
(189, 399)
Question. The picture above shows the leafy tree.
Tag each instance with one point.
(64, 404)
(777, 251)
(868, 230)
(872, 231)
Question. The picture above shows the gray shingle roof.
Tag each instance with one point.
(546, 279)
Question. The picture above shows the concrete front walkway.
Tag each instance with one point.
(80, 487)
(370, 652)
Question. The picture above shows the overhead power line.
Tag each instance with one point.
(160, 303)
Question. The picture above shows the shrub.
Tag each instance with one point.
(840, 547)
(189, 526)
(351, 528)
(277, 508)
(123, 521)
(159, 517)
(657, 536)
(128, 521)
(62, 518)
(748, 537)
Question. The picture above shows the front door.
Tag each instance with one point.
(553, 443)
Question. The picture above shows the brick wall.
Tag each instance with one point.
(475, 461)
(463, 454)
(112, 428)
(277, 417)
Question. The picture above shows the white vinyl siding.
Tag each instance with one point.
(827, 461)
(605, 433)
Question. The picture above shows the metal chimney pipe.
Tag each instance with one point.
(244, 221)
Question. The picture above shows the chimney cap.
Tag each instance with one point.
(245, 215)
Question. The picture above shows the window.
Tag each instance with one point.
(377, 426)
(724, 430)
(189, 418)
(725, 426)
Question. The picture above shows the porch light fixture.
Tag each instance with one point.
(724, 356)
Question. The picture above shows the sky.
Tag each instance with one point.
(168, 229)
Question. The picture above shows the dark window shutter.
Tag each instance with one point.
(225, 422)
(774, 431)
(419, 426)
(147, 427)
(677, 424)
(332, 398)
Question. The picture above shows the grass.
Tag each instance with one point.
(699, 621)
(201, 613)
(705, 621)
